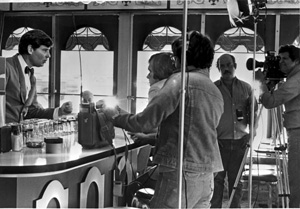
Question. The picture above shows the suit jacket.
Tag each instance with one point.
(16, 94)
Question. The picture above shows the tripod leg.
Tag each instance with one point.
(286, 179)
(281, 161)
(279, 178)
(244, 161)
(238, 177)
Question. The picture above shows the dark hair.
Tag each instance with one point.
(200, 50)
(294, 52)
(218, 60)
(163, 65)
(35, 38)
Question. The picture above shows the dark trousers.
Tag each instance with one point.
(294, 167)
(232, 153)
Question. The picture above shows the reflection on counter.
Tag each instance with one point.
(70, 150)
(33, 151)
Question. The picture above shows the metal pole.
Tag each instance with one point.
(182, 103)
(252, 119)
(241, 167)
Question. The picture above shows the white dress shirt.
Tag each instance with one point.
(27, 83)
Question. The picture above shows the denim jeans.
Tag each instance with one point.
(197, 190)
(294, 167)
(232, 153)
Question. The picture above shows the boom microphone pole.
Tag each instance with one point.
(79, 53)
(252, 122)
(182, 103)
(255, 14)
(251, 65)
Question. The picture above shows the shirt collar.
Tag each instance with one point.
(204, 71)
(22, 63)
(192, 68)
(294, 71)
(233, 80)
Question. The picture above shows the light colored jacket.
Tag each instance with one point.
(203, 109)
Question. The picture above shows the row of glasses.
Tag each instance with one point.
(38, 129)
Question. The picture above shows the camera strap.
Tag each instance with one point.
(122, 168)
(106, 131)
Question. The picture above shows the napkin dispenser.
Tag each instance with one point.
(5, 138)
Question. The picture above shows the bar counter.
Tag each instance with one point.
(76, 177)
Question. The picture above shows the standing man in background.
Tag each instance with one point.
(34, 51)
(233, 129)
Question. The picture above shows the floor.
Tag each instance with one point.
(260, 196)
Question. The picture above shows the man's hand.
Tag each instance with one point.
(271, 84)
(109, 112)
(24, 112)
(100, 104)
(260, 76)
(137, 136)
(66, 108)
(142, 138)
(245, 140)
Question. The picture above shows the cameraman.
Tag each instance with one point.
(288, 93)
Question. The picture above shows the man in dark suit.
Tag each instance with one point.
(34, 51)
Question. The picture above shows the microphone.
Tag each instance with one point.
(249, 64)
(88, 97)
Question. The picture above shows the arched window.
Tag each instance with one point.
(42, 73)
(88, 39)
(233, 38)
(14, 39)
(86, 64)
(161, 38)
(158, 40)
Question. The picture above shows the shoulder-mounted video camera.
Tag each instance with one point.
(270, 65)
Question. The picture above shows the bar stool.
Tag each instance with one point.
(141, 191)
(263, 173)
(142, 198)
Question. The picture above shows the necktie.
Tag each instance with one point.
(28, 69)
